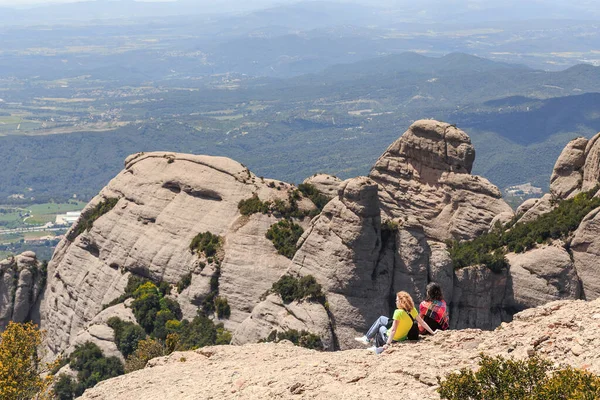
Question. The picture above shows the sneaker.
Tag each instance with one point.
(376, 350)
(363, 340)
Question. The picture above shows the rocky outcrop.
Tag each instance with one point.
(163, 200)
(377, 235)
(22, 280)
(563, 332)
(542, 275)
(567, 176)
(577, 168)
(425, 174)
(591, 168)
(98, 332)
(342, 250)
(272, 314)
(585, 248)
(328, 185)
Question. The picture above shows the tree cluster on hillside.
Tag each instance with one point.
(490, 248)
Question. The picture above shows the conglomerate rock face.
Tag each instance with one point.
(425, 174)
(563, 332)
(164, 201)
(342, 249)
(21, 283)
(378, 235)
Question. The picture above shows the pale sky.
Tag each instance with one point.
(21, 3)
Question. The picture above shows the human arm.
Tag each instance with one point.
(424, 324)
(390, 338)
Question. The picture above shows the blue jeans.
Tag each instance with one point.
(379, 331)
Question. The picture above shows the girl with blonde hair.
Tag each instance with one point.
(403, 325)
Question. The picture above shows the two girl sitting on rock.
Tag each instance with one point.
(406, 323)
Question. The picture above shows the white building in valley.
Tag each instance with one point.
(67, 219)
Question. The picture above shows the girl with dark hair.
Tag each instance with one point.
(433, 309)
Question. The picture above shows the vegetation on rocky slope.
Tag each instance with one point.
(299, 338)
(278, 207)
(284, 235)
(89, 217)
(490, 248)
(206, 243)
(532, 379)
(310, 191)
(92, 367)
(291, 289)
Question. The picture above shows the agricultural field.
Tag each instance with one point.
(24, 227)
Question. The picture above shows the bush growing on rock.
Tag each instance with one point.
(532, 379)
(206, 243)
(490, 248)
(284, 235)
(127, 335)
(254, 205)
(133, 283)
(92, 366)
(299, 338)
(314, 195)
(89, 217)
(222, 307)
(291, 288)
(146, 305)
(146, 350)
(184, 282)
(64, 388)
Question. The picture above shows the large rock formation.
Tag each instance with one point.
(378, 235)
(165, 200)
(585, 249)
(328, 185)
(425, 174)
(563, 332)
(422, 189)
(22, 280)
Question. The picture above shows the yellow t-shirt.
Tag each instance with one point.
(404, 323)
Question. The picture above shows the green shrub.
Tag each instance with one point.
(208, 303)
(127, 335)
(184, 282)
(284, 235)
(146, 305)
(89, 217)
(64, 388)
(200, 332)
(490, 248)
(278, 207)
(92, 367)
(133, 283)
(302, 338)
(146, 350)
(222, 307)
(253, 205)
(206, 243)
(310, 191)
(532, 379)
(162, 318)
(305, 288)
(172, 306)
(223, 335)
